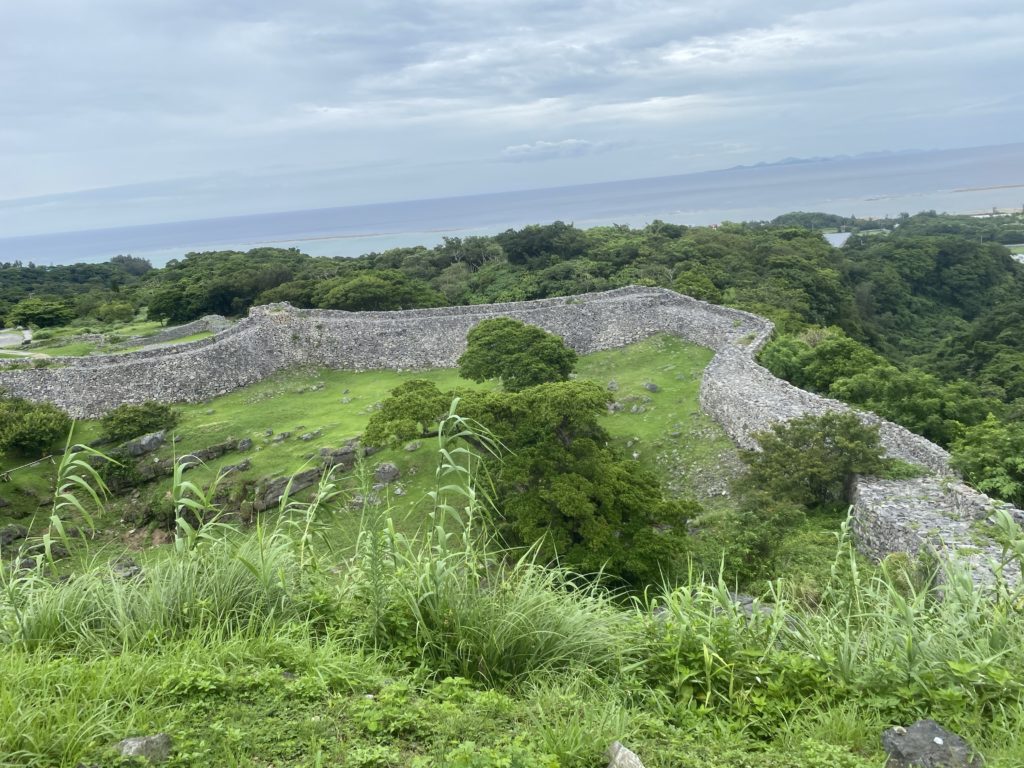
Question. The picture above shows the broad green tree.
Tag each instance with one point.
(517, 354)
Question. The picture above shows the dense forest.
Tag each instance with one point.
(916, 318)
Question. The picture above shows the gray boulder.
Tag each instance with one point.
(926, 744)
(344, 457)
(140, 446)
(386, 473)
(156, 749)
(620, 757)
(12, 533)
(126, 568)
(650, 386)
(244, 444)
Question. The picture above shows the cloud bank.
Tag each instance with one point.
(393, 100)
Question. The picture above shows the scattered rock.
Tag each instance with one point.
(399, 490)
(268, 432)
(126, 568)
(4, 502)
(620, 757)
(650, 386)
(359, 502)
(208, 411)
(281, 437)
(27, 564)
(156, 749)
(637, 409)
(306, 437)
(413, 446)
(140, 446)
(241, 466)
(386, 473)
(615, 406)
(275, 488)
(12, 533)
(244, 444)
(344, 457)
(613, 386)
(926, 744)
(346, 400)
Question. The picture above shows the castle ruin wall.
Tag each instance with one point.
(736, 391)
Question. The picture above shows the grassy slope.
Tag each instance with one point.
(671, 436)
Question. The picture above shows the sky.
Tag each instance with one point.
(122, 112)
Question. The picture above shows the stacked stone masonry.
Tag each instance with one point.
(735, 390)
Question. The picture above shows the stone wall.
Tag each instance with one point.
(735, 390)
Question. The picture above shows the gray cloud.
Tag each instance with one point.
(382, 95)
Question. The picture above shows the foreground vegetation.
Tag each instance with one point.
(278, 648)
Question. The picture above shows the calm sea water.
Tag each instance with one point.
(955, 181)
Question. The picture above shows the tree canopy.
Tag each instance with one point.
(517, 354)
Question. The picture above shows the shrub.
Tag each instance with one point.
(813, 460)
(31, 428)
(128, 421)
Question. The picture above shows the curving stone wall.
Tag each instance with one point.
(735, 390)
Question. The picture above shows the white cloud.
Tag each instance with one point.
(551, 150)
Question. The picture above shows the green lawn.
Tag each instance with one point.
(75, 349)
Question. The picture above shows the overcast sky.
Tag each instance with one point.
(116, 112)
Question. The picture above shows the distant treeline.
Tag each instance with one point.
(917, 317)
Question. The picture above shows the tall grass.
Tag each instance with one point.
(875, 642)
(464, 606)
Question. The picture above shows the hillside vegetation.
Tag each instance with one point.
(518, 562)
(925, 308)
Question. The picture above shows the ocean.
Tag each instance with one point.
(974, 180)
